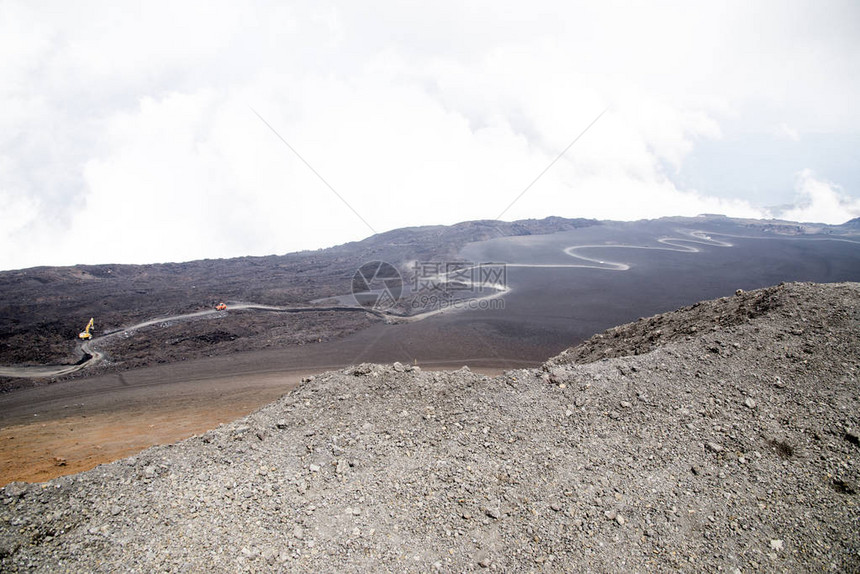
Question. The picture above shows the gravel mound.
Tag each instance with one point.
(728, 443)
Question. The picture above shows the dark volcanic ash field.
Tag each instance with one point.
(566, 280)
(555, 299)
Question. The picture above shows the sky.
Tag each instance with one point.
(144, 132)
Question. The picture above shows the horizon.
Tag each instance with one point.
(325, 248)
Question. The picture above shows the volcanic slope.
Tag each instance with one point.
(44, 308)
(728, 443)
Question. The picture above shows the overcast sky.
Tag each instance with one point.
(128, 131)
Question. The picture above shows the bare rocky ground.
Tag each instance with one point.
(721, 437)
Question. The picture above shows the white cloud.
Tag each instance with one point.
(819, 201)
(132, 125)
(785, 131)
(15, 222)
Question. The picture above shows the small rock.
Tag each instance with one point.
(750, 403)
(620, 520)
(398, 367)
(315, 468)
(281, 424)
(492, 513)
(714, 447)
(268, 554)
(626, 404)
(557, 375)
(776, 545)
(298, 532)
(16, 489)
(362, 369)
(483, 559)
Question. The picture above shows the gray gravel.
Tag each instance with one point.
(729, 443)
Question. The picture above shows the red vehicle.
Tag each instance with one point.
(221, 307)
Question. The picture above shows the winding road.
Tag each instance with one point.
(92, 356)
(678, 244)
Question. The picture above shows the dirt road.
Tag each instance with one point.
(88, 348)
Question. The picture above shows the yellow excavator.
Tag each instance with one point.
(86, 333)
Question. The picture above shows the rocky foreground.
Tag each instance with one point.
(721, 437)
